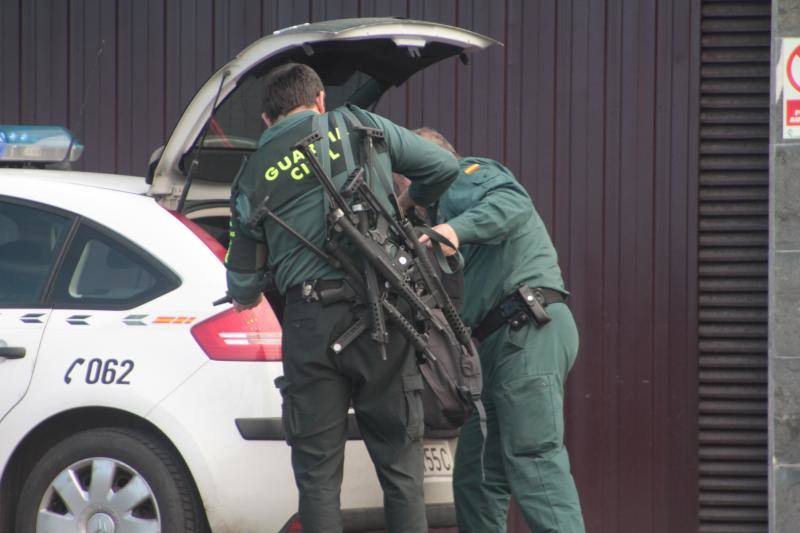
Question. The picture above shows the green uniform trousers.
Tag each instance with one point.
(318, 388)
(524, 373)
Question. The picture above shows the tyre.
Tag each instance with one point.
(109, 481)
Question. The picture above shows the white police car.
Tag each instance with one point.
(128, 402)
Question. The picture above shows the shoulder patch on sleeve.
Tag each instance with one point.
(472, 168)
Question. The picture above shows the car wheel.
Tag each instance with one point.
(109, 481)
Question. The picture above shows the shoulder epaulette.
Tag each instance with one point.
(472, 168)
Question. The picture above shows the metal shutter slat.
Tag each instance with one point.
(738, 223)
(732, 10)
(731, 361)
(734, 270)
(733, 390)
(730, 528)
(738, 484)
(734, 118)
(736, 55)
(733, 301)
(723, 25)
(727, 40)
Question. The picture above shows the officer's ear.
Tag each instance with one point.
(319, 102)
(267, 121)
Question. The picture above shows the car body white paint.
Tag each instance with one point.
(245, 485)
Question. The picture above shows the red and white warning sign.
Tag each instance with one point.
(791, 88)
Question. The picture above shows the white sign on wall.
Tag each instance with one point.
(791, 87)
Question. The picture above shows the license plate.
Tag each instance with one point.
(437, 458)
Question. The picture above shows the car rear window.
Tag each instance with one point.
(103, 271)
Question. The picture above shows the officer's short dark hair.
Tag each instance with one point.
(289, 86)
(438, 139)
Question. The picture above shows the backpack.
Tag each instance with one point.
(452, 381)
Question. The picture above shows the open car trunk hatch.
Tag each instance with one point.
(357, 59)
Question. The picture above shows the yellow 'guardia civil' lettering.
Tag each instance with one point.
(294, 164)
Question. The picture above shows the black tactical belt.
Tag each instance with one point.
(325, 291)
(524, 305)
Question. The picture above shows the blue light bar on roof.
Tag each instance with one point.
(38, 144)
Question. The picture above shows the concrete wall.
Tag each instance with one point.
(784, 292)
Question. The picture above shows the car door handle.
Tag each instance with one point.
(12, 352)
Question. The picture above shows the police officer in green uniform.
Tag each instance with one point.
(319, 385)
(505, 245)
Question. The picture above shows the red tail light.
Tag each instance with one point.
(252, 335)
(212, 243)
(294, 526)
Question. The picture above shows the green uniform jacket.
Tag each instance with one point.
(279, 172)
(502, 238)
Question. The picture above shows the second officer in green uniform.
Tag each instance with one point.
(318, 385)
(511, 279)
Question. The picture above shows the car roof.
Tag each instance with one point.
(113, 182)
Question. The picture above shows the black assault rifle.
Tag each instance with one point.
(339, 259)
(395, 270)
